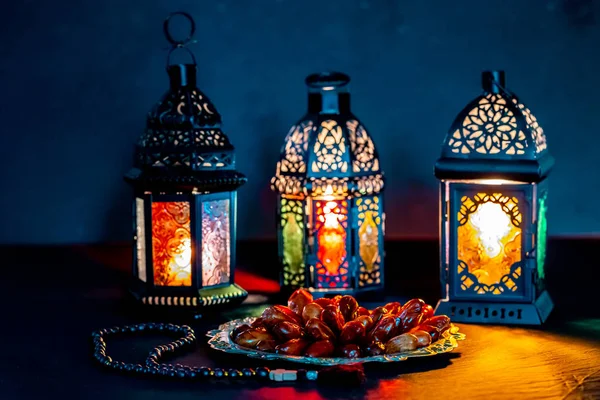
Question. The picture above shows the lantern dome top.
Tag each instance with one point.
(329, 151)
(183, 144)
(495, 135)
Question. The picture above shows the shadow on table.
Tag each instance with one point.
(577, 328)
(410, 366)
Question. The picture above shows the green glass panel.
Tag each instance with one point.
(542, 233)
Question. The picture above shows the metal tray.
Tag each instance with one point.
(220, 339)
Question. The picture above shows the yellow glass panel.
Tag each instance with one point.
(369, 240)
(216, 248)
(171, 243)
(370, 220)
(489, 239)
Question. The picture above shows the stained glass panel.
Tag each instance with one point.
(489, 243)
(292, 233)
(215, 242)
(542, 233)
(331, 230)
(369, 222)
(171, 243)
(140, 238)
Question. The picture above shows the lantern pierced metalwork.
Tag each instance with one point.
(330, 218)
(185, 183)
(493, 172)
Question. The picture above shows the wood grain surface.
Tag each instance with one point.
(53, 298)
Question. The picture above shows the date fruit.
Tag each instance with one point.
(426, 313)
(423, 338)
(440, 322)
(349, 351)
(412, 306)
(393, 307)
(401, 343)
(285, 330)
(258, 323)
(321, 348)
(333, 318)
(318, 330)
(408, 317)
(239, 329)
(353, 332)
(378, 313)
(267, 346)
(324, 302)
(294, 347)
(274, 314)
(251, 337)
(348, 306)
(362, 311)
(311, 310)
(339, 327)
(298, 300)
(383, 330)
(366, 321)
(432, 330)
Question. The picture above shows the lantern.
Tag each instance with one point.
(185, 183)
(493, 171)
(330, 218)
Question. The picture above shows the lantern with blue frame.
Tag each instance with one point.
(330, 216)
(493, 172)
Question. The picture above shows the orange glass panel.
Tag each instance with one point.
(215, 242)
(489, 242)
(171, 244)
(331, 235)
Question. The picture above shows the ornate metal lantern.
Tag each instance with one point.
(330, 219)
(185, 184)
(493, 171)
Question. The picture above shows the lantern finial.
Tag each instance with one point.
(324, 80)
(493, 82)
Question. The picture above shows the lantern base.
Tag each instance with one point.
(497, 313)
(192, 300)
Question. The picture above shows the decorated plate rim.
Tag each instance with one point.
(220, 340)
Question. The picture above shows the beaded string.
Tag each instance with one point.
(154, 366)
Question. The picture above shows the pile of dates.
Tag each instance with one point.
(339, 327)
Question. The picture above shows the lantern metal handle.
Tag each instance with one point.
(505, 90)
(502, 88)
(179, 44)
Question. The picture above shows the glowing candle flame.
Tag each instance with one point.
(492, 224)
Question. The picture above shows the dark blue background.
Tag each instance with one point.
(78, 77)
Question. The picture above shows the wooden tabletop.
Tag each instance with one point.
(53, 298)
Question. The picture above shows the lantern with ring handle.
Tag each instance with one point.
(185, 183)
